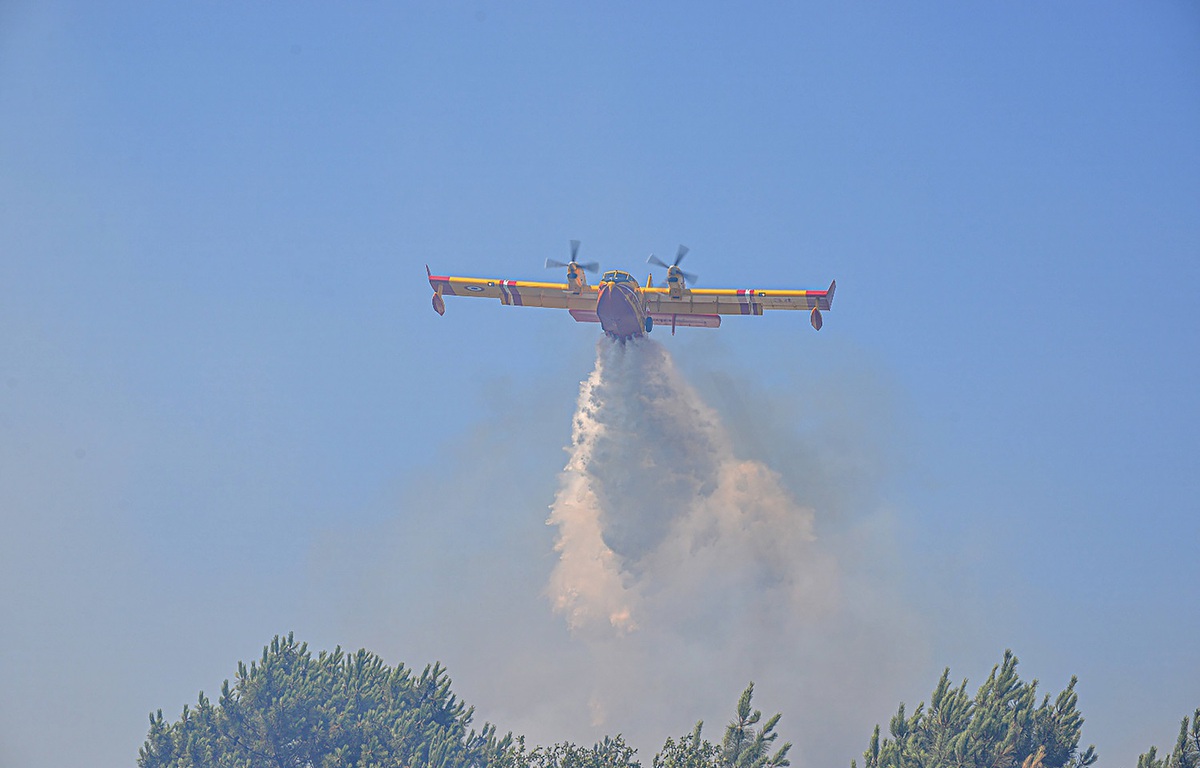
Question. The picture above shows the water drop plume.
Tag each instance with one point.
(663, 530)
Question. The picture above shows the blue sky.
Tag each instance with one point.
(227, 409)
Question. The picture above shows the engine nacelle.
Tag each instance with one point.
(815, 319)
(576, 280)
(675, 283)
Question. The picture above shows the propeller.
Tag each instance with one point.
(590, 266)
(683, 251)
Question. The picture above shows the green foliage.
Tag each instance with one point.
(291, 710)
(1187, 748)
(747, 747)
(1003, 726)
(609, 753)
(352, 711)
(690, 751)
(337, 710)
(744, 746)
(332, 711)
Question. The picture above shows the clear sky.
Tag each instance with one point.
(227, 409)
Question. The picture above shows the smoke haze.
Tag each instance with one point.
(679, 561)
(677, 565)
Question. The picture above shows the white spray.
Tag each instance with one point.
(667, 541)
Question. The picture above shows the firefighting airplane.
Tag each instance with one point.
(623, 307)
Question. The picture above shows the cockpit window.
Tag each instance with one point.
(615, 276)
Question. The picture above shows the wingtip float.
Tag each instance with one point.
(815, 316)
(439, 304)
(626, 309)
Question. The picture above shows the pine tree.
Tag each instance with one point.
(290, 709)
(609, 753)
(1187, 748)
(1003, 726)
(691, 751)
(744, 746)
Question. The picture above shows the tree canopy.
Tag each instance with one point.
(1003, 726)
(291, 709)
(1187, 749)
(744, 746)
(337, 710)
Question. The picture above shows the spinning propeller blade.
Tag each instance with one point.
(683, 251)
(590, 266)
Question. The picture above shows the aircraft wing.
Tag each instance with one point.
(738, 301)
(515, 293)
